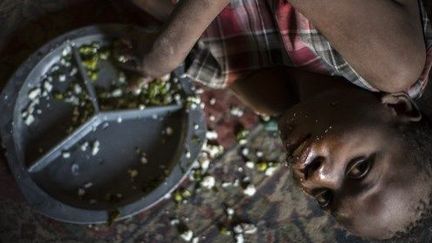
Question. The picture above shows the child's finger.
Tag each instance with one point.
(136, 82)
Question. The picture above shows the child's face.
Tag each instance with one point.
(353, 162)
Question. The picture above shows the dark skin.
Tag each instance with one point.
(353, 161)
(341, 140)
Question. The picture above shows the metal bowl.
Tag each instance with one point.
(88, 174)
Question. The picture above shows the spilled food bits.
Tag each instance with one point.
(211, 135)
(66, 155)
(88, 185)
(250, 190)
(187, 235)
(143, 158)
(84, 146)
(133, 173)
(81, 192)
(169, 131)
(208, 182)
(95, 148)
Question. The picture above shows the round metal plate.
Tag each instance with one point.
(51, 181)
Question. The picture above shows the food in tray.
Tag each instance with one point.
(113, 92)
(60, 83)
(64, 83)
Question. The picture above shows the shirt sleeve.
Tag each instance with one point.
(243, 38)
(340, 67)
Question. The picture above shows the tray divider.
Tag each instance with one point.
(88, 83)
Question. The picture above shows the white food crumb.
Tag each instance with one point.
(249, 228)
(212, 101)
(34, 93)
(213, 150)
(245, 151)
(169, 131)
(239, 238)
(259, 154)
(55, 68)
(196, 126)
(237, 112)
(270, 171)
(117, 93)
(62, 78)
(133, 173)
(205, 164)
(174, 222)
(29, 120)
(187, 236)
(144, 159)
(81, 192)
(73, 71)
(238, 229)
(77, 89)
(212, 118)
(48, 86)
(208, 182)
(88, 185)
(193, 106)
(66, 51)
(230, 211)
(119, 120)
(211, 135)
(249, 190)
(121, 77)
(226, 184)
(95, 149)
(177, 98)
(250, 164)
(195, 240)
(236, 182)
(66, 155)
(188, 155)
(84, 146)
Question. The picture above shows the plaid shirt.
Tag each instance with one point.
(252, 34)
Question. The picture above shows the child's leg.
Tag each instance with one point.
(159, 9)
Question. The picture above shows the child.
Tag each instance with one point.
(341, 75)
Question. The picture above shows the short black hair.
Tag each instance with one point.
(418, 138)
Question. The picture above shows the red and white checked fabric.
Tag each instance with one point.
(252, 34)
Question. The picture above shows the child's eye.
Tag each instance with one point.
(359, 167)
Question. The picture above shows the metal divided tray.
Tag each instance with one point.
(85, 162)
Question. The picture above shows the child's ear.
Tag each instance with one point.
(402, 106)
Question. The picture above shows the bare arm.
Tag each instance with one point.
(188, 21)
(381, 39)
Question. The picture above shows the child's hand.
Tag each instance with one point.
(131, 55)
